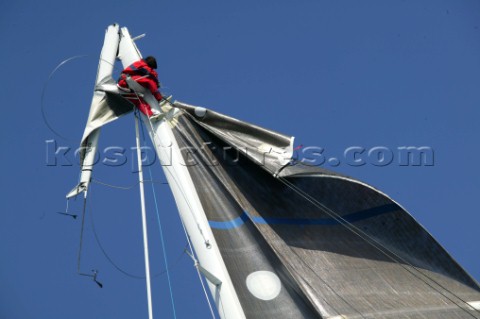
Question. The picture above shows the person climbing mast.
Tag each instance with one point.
(143, 72)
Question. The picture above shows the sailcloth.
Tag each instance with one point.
(304, 242)
(107, 106)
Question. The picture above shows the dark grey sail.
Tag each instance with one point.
(303, 242)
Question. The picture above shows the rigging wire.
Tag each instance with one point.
(159, 224)
(67, 213)
(182, 191)
(381, 248)
(127, 187)
(198, 271)
(179, 185)
(81, 232)
(329, 287)
(144, 220)
(94, 271)
(377, 245)
(207, 243)
(97, 237)
(114, 264)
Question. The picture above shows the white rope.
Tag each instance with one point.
(144, 222)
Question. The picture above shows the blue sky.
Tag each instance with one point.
(334, 74)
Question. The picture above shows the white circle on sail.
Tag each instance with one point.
(200, 111)
(264, 285)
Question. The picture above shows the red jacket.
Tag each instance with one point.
(144, 75)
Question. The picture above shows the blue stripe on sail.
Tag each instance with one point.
(229, 224)
(350, 218)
